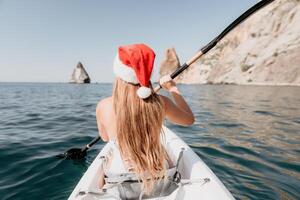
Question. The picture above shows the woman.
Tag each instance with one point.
(133, 116)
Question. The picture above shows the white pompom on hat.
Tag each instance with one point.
(134, 64)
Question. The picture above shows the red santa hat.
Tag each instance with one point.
(134, 64)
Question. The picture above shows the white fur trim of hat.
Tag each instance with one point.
(124, 72)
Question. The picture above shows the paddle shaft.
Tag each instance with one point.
(215, 41)
(89, 145)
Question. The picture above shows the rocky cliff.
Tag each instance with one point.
(80, 75)
(265, 49)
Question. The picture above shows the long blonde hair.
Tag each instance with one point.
(139, 124)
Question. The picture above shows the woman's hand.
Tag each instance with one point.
(167, 83)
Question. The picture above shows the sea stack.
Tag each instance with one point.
(80, 75)
(169, 63)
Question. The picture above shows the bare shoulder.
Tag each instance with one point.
(103, 117)
(165, 100)
(104, 104)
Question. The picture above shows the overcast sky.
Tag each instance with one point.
(42, 40)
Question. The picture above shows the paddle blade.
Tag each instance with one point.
(74, 154)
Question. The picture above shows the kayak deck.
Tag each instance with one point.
(191, 167)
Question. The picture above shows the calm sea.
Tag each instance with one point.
(249, 136)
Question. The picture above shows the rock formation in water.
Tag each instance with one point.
(169, 63)
(80, 75)
(265, 49)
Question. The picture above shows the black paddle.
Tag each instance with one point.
(77, 153)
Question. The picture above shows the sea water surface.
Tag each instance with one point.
(248, 135)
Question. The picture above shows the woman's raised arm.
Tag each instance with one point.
(178, 111)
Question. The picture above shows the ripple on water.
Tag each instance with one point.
(226, 125)
(239, 150)
(265, 113)
(297, 120)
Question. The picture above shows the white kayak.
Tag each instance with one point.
(197, 180)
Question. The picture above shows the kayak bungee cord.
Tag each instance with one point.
(80, 153)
